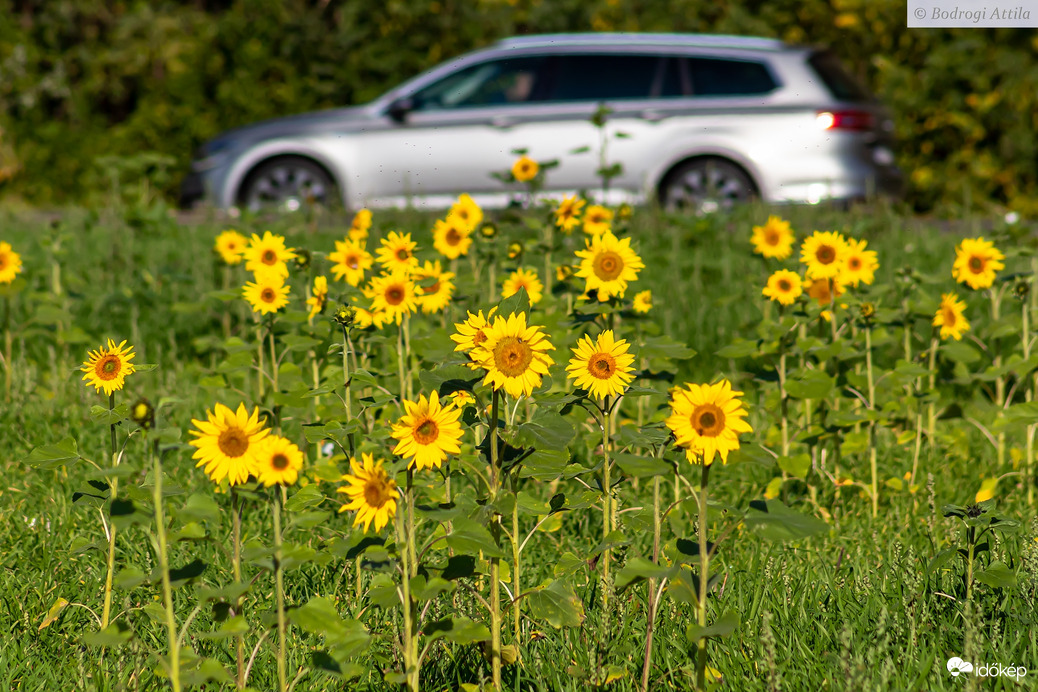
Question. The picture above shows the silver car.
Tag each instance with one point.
(705, 121)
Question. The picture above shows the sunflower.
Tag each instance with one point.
(774, 239)
(227, 443)
(951, 317)
(513, 355)
(267, 292)
(608, 264)
(450, 238)
(463, 398)
(525, 169)
(319, 298)
(231, 246)
(643, 302)
(567, 214)
(372, 493)
(824, 253)
(366, 319)
(524, 278)
(268, 252)
(601, 367)
(466, 213)
(351, 260)
(514, 250)
(706, 420)
(472, 333)
(859, 265)
(427, 432)
(434, 287)
(395, 295)
(278, 461)
(360, 225)
(10, 263)
(107, 367)
(397, 252)
(784, 287)
(824, 291)
(596, 219)
(564, 271)
(976, 261)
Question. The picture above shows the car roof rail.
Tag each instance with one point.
(644, 39)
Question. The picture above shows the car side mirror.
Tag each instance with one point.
(399, 108)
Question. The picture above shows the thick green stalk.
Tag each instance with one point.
(931, 408)
(279, 585)
(1029, 396)
(167, 589)
(607, 512)
(261, 385)
(870, 378)
(8, 349)
(516, 565)
(704, 579)
(239, 644)
(106, 608)
(273, 360)
(495, 563)
(650, 616)
(1000, 381)
(412, 553)
(783, 399)
(409, 638)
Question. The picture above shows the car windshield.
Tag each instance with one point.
(490, 83)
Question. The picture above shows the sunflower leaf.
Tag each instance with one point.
(54, 455)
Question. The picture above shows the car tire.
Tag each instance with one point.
(706, 185)
(287, 183)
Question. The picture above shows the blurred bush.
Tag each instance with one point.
(83, 81)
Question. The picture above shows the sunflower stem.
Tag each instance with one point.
(872, 422)
(239, 643)
(409, 634)
(8, 349)
(346, 347)
(1025, 316)
(495, 562)
(516, 582)
(106, 608)
(279, 585)
(650, 616)
(167, 589)
(400, 360)
(783, 398)
(407, 354)
(607, 513)
(704, 578)
(931, 408)
(411, 551)
(273, 359)
(1000, 380)
(261, 385)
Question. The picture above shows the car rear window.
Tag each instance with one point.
(718, 77)
(602, 77)
(840, 83)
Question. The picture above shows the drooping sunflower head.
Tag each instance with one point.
(466, 213)
(451, 238)
(394, 295)
(976, 263)
(268, 253)
(427, 432)
(567, 214)
(318, 297)
(601, 367)
(706, 421)
(360, 225)
(231, 247)
(824, 253)
(107, 367)
(608, 264)
(784, 287)
(349, 261)
(860, 265)
(951, 317)
(597, 219)
(643, 302)
(525, 169)
(396, 252)
(434, 287)
(774, 239)
(278, 461)
(267, 292)
(227, 443)
(373, 494)
(524, 278)
(514, 355)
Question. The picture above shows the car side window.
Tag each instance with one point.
(601, 77)
(495, 82)
(718, 77)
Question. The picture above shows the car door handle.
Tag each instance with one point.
(502, 122)
(652, 116)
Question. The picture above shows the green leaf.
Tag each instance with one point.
(520, 302)
(206, 671)
(457, 630)
(102, 414)
(997, 575)
(54, 455)
(940, 560)
(1023, 413)
(665, 347)
(298, 342)
(797, 466)
(470, 537)
(722, 627)
(199, 507)
(53, 613)
(307, 497)
(548, 431)
(777, 522)
(545, 464)
(643, 467)
(960, 352)
(813, 384)
(740, 348)
(230, 628)
(557, 604)
(192, 531)
(116, 634)
(639, 569)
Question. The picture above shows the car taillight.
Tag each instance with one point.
(845, 120)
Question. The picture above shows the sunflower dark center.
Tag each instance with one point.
(453, 237)
(435, 288)
(601, 365)
(353, 261)
(108, 368)
(772, 238)
(403, 254)
(395, 295)
(279, 462)
(708, 420)
(268, 295)
(376, 493)
(233, 442)
(269, 257)
(426, 432)
(949, 316)
(826, 254)
(608, 266)
(784, 285)
(976, 264)
(513, 356)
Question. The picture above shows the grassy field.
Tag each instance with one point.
(812, 588)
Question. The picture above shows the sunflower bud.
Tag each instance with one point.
(1022, 290)
(563, 272)
(488, 230)
(143, 414)
(343, 316)
(303, 258)
(624, 212)
(867, 312)
(515, 250)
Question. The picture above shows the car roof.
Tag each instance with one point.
(645, 39)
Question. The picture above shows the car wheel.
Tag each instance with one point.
(287, 183)
(704, 186)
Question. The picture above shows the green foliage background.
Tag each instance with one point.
(88, 86)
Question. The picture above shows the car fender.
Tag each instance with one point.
(268, 149)
(684, 150)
